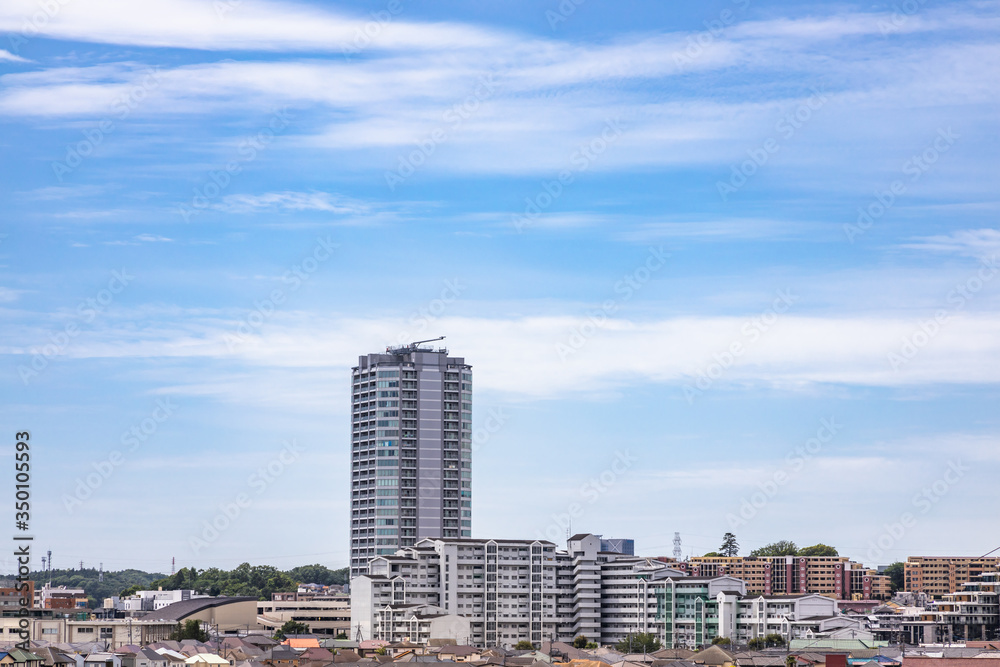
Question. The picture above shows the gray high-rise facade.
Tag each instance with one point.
(411, 450)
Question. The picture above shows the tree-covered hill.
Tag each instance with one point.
(257, 581)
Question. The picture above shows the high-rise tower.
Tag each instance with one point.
(411, 450)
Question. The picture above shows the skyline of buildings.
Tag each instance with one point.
(499, 592)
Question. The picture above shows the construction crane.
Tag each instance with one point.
(410, 347)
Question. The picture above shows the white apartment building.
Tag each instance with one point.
(513, 590)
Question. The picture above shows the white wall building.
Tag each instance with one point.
(513, 590)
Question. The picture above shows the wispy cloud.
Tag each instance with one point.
(140, 239)
(795, 353)
(292, 201)
(60, 192)
(259, 25)
(10, 57)
(968, 242)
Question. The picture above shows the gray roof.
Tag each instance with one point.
(178, 611)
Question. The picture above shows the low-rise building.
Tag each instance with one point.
(145, 601)
(329, 616)
(60, 597)
(419, 624)
(16, 594)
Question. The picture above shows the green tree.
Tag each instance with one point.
(767, 641)
(818, 550)
(791, 661)
(291, 628)
(897, 580)
(729, 547)
(580, 642)
(190, 629)
(524, 645)
(318, 574)
(640, 642)
(723, 641)
(712, 554)
(130, 591)
(780, 548)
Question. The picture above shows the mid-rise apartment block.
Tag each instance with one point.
(940, 575)
(970, 613)
(411, 450)
(833, 576)
(513, 590)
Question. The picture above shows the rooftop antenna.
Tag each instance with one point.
(410, 347)
(677, 547)
(50, 568)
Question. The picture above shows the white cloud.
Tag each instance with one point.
(292, 201)
(521, 357)
(967, 242)
(233, 24)
(10, 57)
(60, 192)
(545, 98)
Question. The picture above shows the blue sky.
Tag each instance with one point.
(672, 241)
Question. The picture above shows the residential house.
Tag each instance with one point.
(457, 653)
(173, 658)
(280, 656)
(102, 659)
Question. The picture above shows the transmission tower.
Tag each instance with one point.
(677, 546)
